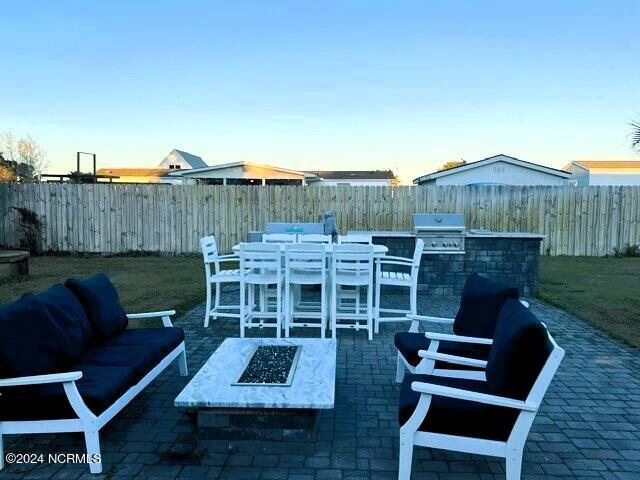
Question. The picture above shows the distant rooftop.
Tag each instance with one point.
(606, 163)
(355, 174)
(134, 172)
(193, 160)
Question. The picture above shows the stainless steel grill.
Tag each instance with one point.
(442, 233)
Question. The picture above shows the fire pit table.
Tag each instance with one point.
(262, 389)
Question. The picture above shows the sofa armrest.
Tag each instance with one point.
(165, 315)
(458, 338)
(443, 357)
(41, 379)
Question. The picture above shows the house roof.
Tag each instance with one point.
(195, 171)
(355, 174)
(489, 160)
(588, 164)
(193, 160)
(134, 172)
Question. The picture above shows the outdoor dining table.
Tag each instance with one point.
(379, 251)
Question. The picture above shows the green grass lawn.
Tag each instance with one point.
(144, 283)
(604, 292)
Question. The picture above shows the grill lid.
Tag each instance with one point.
(438, 221)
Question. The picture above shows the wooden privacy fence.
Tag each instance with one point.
(170, 219)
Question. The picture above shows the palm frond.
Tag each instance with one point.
(635, 136)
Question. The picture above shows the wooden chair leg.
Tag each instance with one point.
(243, 308)
(207, 307)
(182, 363)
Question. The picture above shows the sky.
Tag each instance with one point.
(322, 84)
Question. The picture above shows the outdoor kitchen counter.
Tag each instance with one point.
(508, 257)
(470, 234)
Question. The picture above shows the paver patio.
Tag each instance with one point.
(588, 425)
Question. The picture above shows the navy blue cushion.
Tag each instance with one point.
(520, 349)
(100, 300)
(457, 417)
(480, 306)
(140, 358)
(31, 342)
(163, 339)
(68, 313)
(408, 344)
(99, 387)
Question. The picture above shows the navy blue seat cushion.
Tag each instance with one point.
(99, 387)
(140, 358)
(480, 306)
(520, 349)
(163, 339)
(68, 313)
(31, 342)
(457, 417)
(100, 300)
(408, 344)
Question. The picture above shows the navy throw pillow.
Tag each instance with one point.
(480, 306)
(100, 300)
(31, 342)
(520, 349)
(69, 314)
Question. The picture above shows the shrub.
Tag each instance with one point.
(31, 227)
(628, 251)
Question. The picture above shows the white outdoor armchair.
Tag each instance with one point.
(218, 277)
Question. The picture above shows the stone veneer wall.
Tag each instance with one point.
(513, 261)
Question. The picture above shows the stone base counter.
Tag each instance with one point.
(508, 257)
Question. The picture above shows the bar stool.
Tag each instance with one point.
(260, 266)
(398, 279)
(305, 264)
(352, 266)
(219, 277)
(352, 294)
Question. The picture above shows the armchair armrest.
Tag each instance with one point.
(395, 259)
(230, 257)
(443, 357)
(165, 315)
(422, 318)
(431, 389)
(41, 379)
(458, 338)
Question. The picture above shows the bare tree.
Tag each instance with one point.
(23, 156)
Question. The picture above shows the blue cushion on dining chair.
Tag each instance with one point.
(520, 349)
(480, 306)
(100, 300)
(67, 311)
(31, 342)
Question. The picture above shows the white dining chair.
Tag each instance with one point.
(351, 294)
(279, 238)
(260, 266)
(314, 238)
(396, 278)
(218, 277)
(305, 265)
(352, 266)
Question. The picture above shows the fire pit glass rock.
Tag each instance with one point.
(270, 365)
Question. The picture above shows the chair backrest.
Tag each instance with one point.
(279, 238)
(209, 249)
(521, 348)
(314, 238)
(480, 306)
(417, 258)
(259, 256)
(355, 238)
(307, 257)
(355, 259)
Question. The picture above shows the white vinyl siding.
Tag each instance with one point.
(501, 173)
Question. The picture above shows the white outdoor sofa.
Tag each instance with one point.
(80, 365)
(491, 417)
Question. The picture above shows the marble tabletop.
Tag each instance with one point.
(312, 387)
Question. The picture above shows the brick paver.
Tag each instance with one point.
(588, 426)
